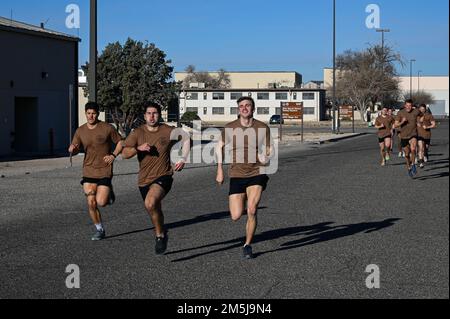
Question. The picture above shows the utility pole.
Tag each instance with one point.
(93, 52)
(335, 121)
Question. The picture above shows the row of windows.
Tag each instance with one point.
(260, 96)
(234, 110)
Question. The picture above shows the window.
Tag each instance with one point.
(205, 110)
(278, 111)
(192, 96)
(309, 110)
(192, 109)
(263, 96)
(218, 96)
(294, 96)
(218, 111)
(263, 110)
(250, 94)
(308, 96)
(281, 96)
(205, 96)
(235, 96)
(233, 110)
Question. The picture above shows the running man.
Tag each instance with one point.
(384, 124)
(96, 138)
(426, 123)
(391, 114)
(152, 143)
(407, 121)
(246, 138)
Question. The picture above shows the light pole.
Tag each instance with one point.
(418, 80)
(410, 77)
(335, 121)
(93, 52)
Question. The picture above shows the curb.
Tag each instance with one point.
(336, 139)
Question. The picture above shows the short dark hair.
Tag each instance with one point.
(247, 98)
(92, 106)
(154, 105)
(410, 101)
(423, 105)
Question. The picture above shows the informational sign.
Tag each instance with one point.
(346, 112)
(292, 110)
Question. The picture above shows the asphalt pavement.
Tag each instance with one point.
(328, 213)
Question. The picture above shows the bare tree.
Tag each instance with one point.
(221, 81)
(420, 97)
(367, 78)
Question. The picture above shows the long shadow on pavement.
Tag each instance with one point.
(317, 233)
(182, 223)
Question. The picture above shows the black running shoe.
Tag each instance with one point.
(248, 253)
(161, 245)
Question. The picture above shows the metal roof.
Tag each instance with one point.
(17, 26)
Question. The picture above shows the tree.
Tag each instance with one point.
(419, 97)
(365, 79)
(221, 81)
(130, 76)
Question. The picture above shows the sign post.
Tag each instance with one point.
(292, 111)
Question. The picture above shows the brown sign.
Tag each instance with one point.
(346, 112)
(292, 110)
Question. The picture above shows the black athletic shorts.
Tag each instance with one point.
(381, 140)
(427, 141)
(164, 181)
(99, 181)
(240, 185)
(405, 142)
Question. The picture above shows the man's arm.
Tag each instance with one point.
(220, 157)
(186, 150)
(109, 159)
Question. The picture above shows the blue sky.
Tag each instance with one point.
(255, 35)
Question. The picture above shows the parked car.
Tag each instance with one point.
(275, 119)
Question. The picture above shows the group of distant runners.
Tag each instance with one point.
(153, 143)
(412, 125)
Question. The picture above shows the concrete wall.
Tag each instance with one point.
(26, 57)
(255, 80)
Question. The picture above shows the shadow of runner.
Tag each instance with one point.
(316, 233)
(335, 233)
(182, 223)
(264, 236)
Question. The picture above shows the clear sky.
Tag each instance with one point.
(255, 35)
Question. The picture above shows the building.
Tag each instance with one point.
(314, 85)
(268, 89)
(257, 80)
(437, 86)
(38, 89)
(83, 100)
(219, 106)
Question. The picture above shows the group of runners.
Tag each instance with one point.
(152, 143)
(412, 125)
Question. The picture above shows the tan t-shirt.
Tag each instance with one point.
(243, 145)
(426, 120)
(156, 163)
(97, 143)
(387, 121)
(409, 129)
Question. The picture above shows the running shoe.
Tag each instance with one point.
(422, 165)
(99, 235)
(161, 245)
(388, 157)
(383, 163)
(414, 169)
(399, 154)
(247, 252)
(425, 159)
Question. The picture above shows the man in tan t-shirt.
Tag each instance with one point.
(384, 124)
(152, 143)
(425, 124)
(407, 121)
(96, 138)
(251, 148)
